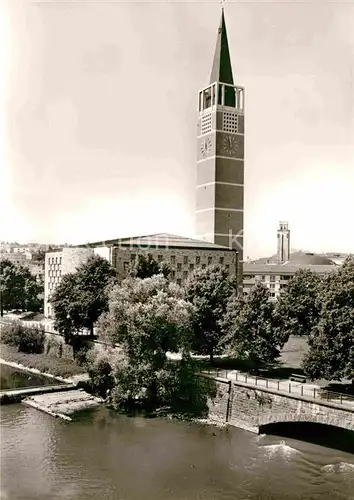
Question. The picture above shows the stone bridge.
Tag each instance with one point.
(252, 407)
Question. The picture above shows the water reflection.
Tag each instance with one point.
(105, 456)
(13, 378)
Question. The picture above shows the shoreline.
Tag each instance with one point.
(74, 379)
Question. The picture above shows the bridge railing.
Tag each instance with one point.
(296, 388)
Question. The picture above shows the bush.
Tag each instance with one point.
(81, 347)
(101, 377)
(11, 332)
(32, 340)
(100, 370)
(28, 339)
(54, 345)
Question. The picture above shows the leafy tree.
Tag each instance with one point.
(33, 291)
(81, 297)
(100, 371)
(19, 288)
(147, 318)
(249, 327)
(331, 341)
(209, 290)
(39, 255)
(11, 286)
(145, 266)
(32, 339)
(186, 392)
(297, 309)
(29, 339)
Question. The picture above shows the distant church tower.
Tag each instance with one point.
(220, 160)
(283, 248)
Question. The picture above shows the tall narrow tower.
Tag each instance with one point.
(220, 160)
(283, 247)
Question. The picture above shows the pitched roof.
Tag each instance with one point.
(298, 258)
(160, 240)
(287, 268)
(307, 258)
(222, 70)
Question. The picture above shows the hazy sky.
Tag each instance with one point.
(98, 108)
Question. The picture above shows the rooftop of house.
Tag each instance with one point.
(309, 258)
(298, 258)
(288, 268)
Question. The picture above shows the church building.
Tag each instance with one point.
(219, 211)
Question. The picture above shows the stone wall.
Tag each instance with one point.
(249, 408)
(219, 406)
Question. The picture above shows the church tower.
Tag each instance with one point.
(220, 156)
(283, 247)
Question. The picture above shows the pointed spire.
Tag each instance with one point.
(222, 70)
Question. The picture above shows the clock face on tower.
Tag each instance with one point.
(205, 146)
(229, 144)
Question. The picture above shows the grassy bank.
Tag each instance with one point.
(59, 367)
(289, 361)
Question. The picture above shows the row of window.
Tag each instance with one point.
(178, 268)
(271, 278)
(52, 284)
(281, 286)
(54, 260)
(272, 289)
(55, 266)
(53, 272)
(160, 258)
(272, 294)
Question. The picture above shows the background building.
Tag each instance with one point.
(181, 254)
(14, 257)
(57, 264)
(220, 160)
(275, 271)
(24, 259)
(276, 276)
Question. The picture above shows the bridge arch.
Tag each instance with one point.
(282, 418)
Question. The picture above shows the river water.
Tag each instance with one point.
(104, 456)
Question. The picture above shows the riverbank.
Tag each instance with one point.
(63, 369)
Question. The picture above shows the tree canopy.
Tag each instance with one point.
(331, 340)
(145, 266)
(249, 327)
(81, 297)
(297, 309)
(147, 318)
(209, 290)
(39, 255)
(19, 289)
